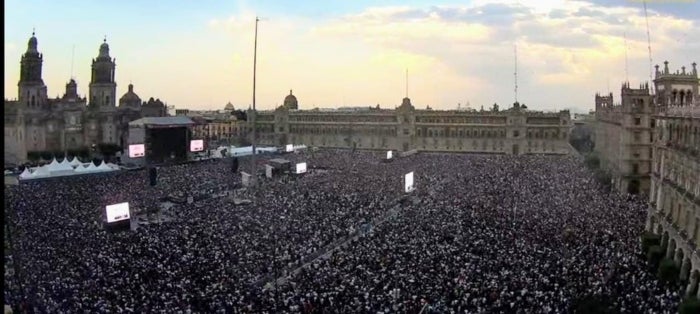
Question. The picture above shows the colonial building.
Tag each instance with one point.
(34, 122)
(674, 211)
(623, 137)
(513, 131)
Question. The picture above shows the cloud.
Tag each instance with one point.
(576, 44)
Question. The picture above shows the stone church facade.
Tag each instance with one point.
(35, 122)
(512, 131)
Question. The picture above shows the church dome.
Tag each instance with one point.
(130, 99)
(229, 106)
(32, 44)
(290, 102)
(104, 50)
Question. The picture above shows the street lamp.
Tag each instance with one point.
(255, 62)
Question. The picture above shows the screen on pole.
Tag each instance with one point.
(289, 148)
(301, 168)
(137, 150)
(196, 145)
(389, 154)
(117, 212)
(408, 182)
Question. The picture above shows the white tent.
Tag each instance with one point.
(53, 165)
(91, 167)
(75, 162)
(26, 174)
(42, 171)
(63, 166)
(103, 167)
(113, 166)
(80, 169)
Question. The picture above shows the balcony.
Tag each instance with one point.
(685, 112)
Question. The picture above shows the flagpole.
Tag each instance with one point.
(255, 62)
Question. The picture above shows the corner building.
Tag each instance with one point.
(513, 131)
(674, 211)
(623, 137)
(35, 122)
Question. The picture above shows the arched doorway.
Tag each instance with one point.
(633, 187)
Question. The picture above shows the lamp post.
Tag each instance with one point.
(255, 62)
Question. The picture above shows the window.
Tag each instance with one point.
(516, 133)
(637, 136)
(637, 121)
(635, 169)
(405, 131)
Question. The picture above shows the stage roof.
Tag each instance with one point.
(279, 161)
(177, 121)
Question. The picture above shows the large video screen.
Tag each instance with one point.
(301, 168)
(389, 155)
(289, 148)
(196, 145)
(408, 182)
(117, 212)
(167, 144)
(137, 150)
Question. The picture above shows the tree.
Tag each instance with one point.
(108, 149)
(689, 306)
(495, 107)
(46, 155)
(33, 156)
(668, 271)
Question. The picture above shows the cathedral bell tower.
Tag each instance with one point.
(32, 91)
(103, 88)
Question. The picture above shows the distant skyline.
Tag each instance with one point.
(199, 54)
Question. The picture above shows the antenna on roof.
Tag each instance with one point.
(626, 61)
(515, 74)
(646, 17)
(406, 82)
(72, 59)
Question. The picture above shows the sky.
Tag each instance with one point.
(333, 53)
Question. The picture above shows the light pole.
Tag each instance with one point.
(255, 62)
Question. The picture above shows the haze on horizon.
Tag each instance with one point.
(198, 54)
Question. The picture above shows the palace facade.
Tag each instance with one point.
(35, 122)
(623, 137)
(512, 131)
(674, 211)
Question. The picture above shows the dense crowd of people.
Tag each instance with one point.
(509, 234)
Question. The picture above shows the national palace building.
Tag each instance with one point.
(651, 145)
(512, 131)
(34, 122)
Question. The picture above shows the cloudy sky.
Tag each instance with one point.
(199, 54)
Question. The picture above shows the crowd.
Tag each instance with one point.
(525, 234)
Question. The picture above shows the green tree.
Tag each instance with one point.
(33, 156)
(668, 271)
(689, 306)
(654, 256)
(649, 239)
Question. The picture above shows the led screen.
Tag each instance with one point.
(408, 182)
(389, 154)
(137, 150)
(117, 212)
(301, 168)
(196, 145)
(289, 148)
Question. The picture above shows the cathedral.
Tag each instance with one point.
(36, 123)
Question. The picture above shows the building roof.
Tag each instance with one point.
(163, 121)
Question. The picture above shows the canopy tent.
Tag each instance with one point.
(91, 167)
(75, 162)
(26, 174)
(81, 169)
(103, 167)
(42, 171)
(113, 166)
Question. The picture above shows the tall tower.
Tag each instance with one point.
(103, 88)
(32, 91)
